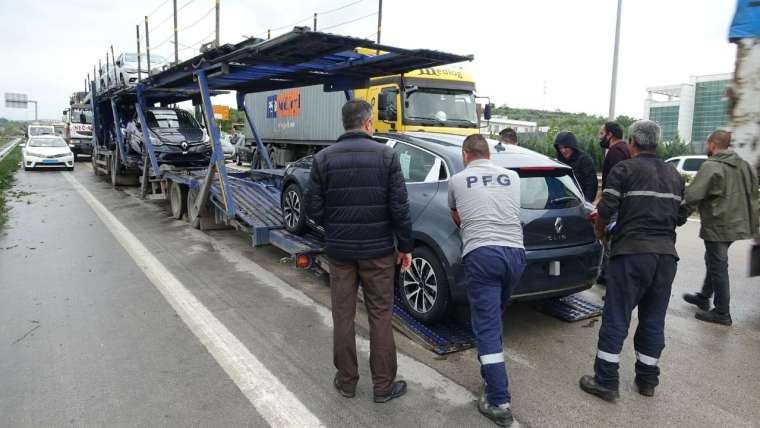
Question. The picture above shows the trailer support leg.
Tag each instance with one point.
(117, 129)
(217, 155)
(259, 144)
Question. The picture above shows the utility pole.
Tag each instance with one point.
(613, 89)
(315, 21)
(379, 20)
(139, 61)
(176, 41)
(147, 43)
(113, 62)
(217, 22)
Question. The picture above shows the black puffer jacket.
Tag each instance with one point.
(581, 163)
(357, 191)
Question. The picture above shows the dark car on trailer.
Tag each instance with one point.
(177, 138)
(562, 251)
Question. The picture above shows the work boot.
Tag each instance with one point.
(397, 390)
(715, 317)
(644, 389)
(589, 384)
(500, 415)
(697, 300)
(343, 392)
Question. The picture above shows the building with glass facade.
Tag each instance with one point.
(689, 111)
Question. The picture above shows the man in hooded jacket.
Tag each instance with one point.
(581, 163)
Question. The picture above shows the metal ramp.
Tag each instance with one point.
(571, 308)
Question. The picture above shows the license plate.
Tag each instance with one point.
(49, 161)
(554, 268)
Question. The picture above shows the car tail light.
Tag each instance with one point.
(592, 217)
(303, 261)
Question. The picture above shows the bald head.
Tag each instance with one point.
(721, 139)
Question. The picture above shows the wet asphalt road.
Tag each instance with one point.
(87, 338)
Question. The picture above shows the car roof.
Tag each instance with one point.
(687, 157)
(45, 136)
(450, 146)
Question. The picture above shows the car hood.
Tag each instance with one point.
(48, 150)
(178, 135)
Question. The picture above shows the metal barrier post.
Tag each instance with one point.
(217, 155)
(259, 143)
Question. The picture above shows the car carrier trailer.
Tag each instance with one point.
(211, 197)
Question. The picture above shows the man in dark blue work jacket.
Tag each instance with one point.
(646, 195)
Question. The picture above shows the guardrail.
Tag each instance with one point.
(8, 147)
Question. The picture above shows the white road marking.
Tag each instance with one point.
(441, 387)
(273, 401)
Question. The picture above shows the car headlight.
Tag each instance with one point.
(155, 141)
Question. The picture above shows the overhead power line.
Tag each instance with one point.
(348, 22)
(157, 8)
(345, 6)
(197, 21)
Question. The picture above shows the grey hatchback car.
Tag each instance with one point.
(562, 251)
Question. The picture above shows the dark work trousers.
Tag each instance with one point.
(642, 280)
(491, 274)
(376, 276)
(716, 276)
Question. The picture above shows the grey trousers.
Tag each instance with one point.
(716, 278)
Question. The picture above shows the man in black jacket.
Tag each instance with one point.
(357, 192)
(581, 163)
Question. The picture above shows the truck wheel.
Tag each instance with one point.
(76, 157)
(178, 200)
(424, 287)
(194, 215)
(293, 217)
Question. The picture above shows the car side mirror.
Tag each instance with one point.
(385, 109)
(487, 110)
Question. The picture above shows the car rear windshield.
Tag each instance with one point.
(693, 164)
(171, 119)
(47, 142)
(548, 189)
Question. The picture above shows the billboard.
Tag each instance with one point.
(221, 112)
(16, 100)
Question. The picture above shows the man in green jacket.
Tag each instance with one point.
(726, 194)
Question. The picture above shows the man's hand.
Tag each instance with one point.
(405, 260)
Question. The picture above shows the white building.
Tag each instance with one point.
(499, 123)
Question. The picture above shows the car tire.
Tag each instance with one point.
(293, 217)
(424, 287)
(178, 200)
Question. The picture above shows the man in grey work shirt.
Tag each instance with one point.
(485, 203)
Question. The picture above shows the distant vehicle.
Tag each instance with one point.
(228, 147)
(47, 151)
(59, 128)
(35, 130)
(78, 127)
(562, 250)
(176, 137)
(688, 165)
(125, 72)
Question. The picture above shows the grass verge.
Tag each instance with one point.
(8, 167)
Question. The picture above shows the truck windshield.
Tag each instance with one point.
(171, 119)
(441, 107)
(76, 116)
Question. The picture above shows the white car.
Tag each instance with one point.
(688, 165)
(47, 151)
(125, 70)
(228, 147)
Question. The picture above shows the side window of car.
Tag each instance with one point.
(419, 166)
(693, 164)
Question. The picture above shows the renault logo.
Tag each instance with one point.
(184, 145)
(559, 226)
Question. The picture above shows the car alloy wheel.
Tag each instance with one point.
(292, 209)
(420, 285)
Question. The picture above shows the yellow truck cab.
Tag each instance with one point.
(440, 100)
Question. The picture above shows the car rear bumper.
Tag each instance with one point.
(578, 269)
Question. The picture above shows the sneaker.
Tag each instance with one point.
(697, 300)
(588, 384)
(343, 392)
(715, 317)
(397, 390)
(645, 390)
(500, 415)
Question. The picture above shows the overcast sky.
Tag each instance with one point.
(552, 54)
